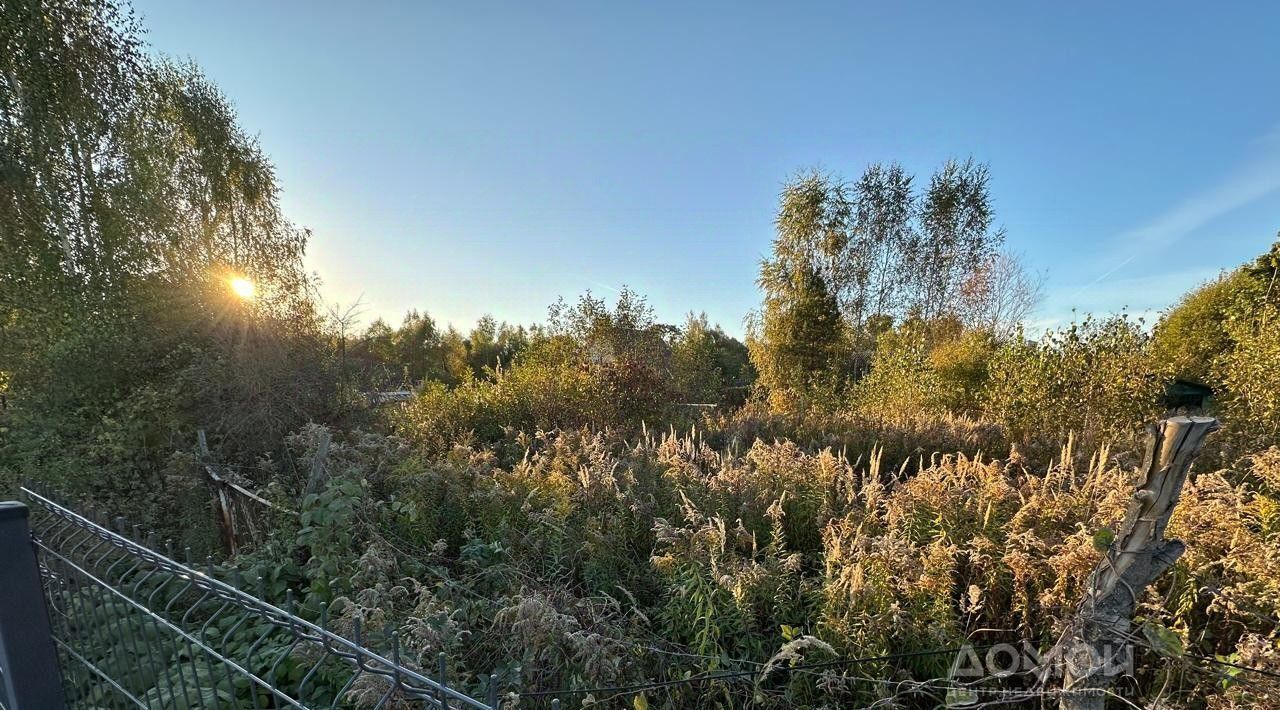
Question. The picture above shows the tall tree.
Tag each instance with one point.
(796, 343)
(854, 258)
(118, 168)
(884, 206)
(1000, 294)
(956, 236)
(129, 196)
(814, 233)
(69, 75)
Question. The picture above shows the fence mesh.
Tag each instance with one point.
(136, 628)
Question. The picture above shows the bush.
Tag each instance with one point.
(99, 415)
(902, 384)
(1224, 335)
(1096, 378)
(594, 367)
(1192, 335)
(925, 369)
(1249, 374)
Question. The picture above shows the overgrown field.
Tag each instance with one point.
(576, 560)
(603, 508)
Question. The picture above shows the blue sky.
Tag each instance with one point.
(486, 157)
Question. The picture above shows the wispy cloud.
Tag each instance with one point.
(1143, 297)
(604, 286)
(1148, 290)
(1252, 181)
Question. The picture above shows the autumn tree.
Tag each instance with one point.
(796, 342)
(884, 236)
(129, 196)
(956, 237)
(850, 259)
(999, 294)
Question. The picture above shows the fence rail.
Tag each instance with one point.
(136, 628)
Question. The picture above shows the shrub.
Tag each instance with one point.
(1224, 335)
(925, 369)
(593, 367)
(547, 388)
(902, 383)
(1094, 378)
(1250, 377)
(1192, 335)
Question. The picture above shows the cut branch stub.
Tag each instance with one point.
(1095, 648)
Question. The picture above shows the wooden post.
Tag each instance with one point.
(223, 507)
(1095, 647)
(319, 473)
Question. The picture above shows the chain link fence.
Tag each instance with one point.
(133, 627)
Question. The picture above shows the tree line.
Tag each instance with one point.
(852, 259)
(546, 509)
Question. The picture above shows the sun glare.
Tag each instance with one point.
(243, 288)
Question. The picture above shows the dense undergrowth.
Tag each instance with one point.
(578, 559)
(607, 509)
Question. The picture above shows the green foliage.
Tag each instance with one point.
(419, 351)
(1163, 640)
(798, 340)
(589, 561)
(1196, 331)
(850, 259)
(594, 366)
(705, 362)
(1224, 335)
(1250, 379)
(150, 663)
(1094, 377)
(521, 515)
(128, 198)
(925, 369)
(902, 382)
(962, 363)
(1102, 539)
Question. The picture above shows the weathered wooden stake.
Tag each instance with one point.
(1095, 648)
(319, 473)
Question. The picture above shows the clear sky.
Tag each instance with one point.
(485, 157)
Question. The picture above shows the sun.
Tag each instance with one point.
(243, 288)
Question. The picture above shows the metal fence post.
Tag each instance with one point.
(29, 676)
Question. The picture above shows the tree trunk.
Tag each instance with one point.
(1095, 648)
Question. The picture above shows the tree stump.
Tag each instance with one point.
(1095, 647)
